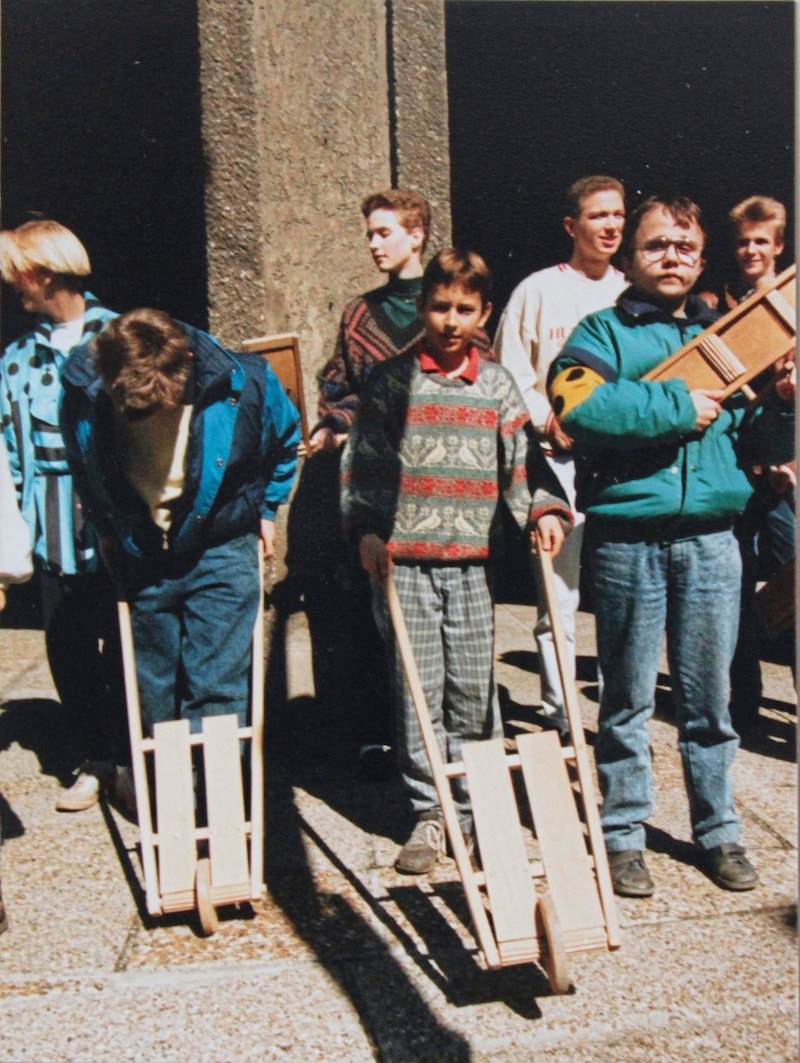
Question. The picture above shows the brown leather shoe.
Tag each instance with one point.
(629, 875)
(728, 867)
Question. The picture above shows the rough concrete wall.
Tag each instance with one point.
(422, 149)
(295, 121)
(233, 175)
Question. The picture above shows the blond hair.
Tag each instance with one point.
(42, 244)
(759, 209)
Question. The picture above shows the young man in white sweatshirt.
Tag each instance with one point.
(541, 313)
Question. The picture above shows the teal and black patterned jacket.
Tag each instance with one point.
(30, 392)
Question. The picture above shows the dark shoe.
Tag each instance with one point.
(629, 875)
(421, 852)
(376, 762)
(3, 916)
(728, 867)
(123, 792)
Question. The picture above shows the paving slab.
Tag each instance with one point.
(344, 960)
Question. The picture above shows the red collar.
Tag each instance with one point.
(469, 372)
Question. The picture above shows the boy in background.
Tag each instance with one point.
(440, 436)
(766, 529)
(542, 311)
(381, 323)
(47, 265)
(349, 658)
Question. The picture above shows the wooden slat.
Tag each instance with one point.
(256, 733)
(283, 354)
(502, 847)
(480, 920)
(138, 765)
(759, 331)
(177, 851)
(227, 839)
(580, 757)
(570, 878)
(783, 308)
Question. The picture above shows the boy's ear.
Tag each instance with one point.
(417, 235)
(487, 310)
(569, 226)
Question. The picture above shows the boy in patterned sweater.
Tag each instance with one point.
(440, 436)
(381, 323)
(350, 670)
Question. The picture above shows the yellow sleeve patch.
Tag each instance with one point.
(572, 387)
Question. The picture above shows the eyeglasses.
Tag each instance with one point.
(686, 250)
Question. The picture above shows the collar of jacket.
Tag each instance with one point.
(94, 317)
(640, 307)
(215, 368)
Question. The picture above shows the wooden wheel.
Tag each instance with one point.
(209, 920)
(554, 958)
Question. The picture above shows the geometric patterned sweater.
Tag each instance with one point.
(374, 327)
(429, 457)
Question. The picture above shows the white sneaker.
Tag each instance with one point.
(84, 793)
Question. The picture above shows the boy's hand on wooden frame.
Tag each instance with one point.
(547, 535)
(374, 557)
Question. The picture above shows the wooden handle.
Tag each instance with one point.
(440, 779)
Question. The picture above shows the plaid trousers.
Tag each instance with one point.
(450, 618)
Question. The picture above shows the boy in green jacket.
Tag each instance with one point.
(660, 483)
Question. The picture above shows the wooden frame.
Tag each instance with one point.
(741, 344)
(525, 911)
(186, 866)
(283, 354)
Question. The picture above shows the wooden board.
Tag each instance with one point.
(580, 757)
(257, 679)
(227, 834)
(512, 899)
(480, 919)
(177, 850)
(570, 877)
(283, 354)
(741, 344)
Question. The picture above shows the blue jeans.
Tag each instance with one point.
(193, 633)
(690, 588)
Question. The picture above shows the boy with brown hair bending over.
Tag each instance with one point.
(440, 436)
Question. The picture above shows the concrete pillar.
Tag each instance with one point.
(295, 126)
(305, 111)
(418, 90)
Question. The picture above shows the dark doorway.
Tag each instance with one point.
(101, 131)
(692, 97)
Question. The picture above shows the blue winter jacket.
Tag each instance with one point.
(642, 467)
(241, 454)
